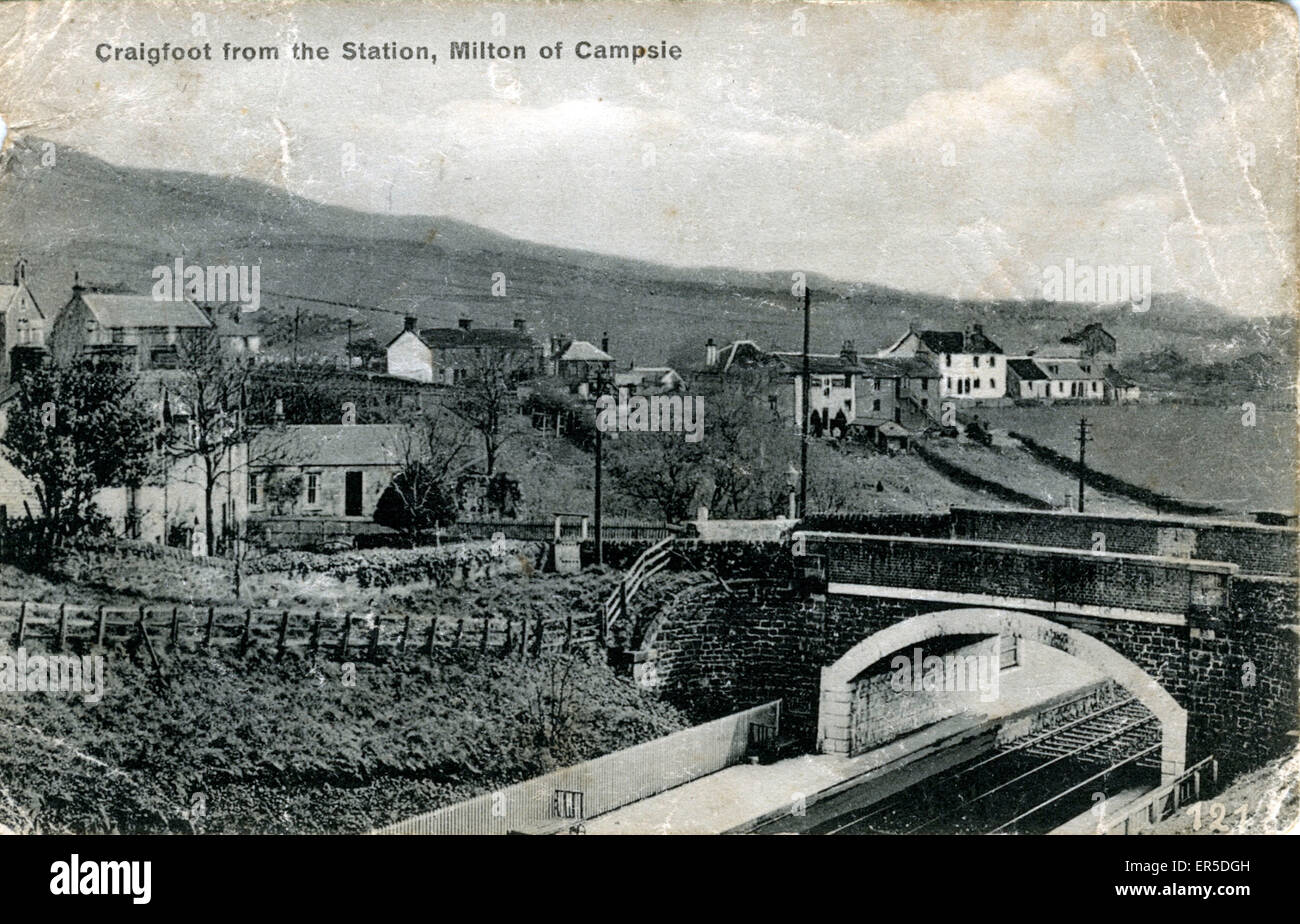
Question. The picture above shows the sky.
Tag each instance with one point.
(960, 148)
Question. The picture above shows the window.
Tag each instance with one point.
(947, 359)
(925, 403)
(925, 384)
(119, 335)
(771, 403)
(23, 332)
(875, 405)
(876, 384)
(252, 490)
(947, 384)
(977, 384)
(1094, 386)
(313, 488)
(977, 362)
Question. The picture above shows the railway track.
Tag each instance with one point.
(1006, 788)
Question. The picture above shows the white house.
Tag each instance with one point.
(409, 357)
(970, 364)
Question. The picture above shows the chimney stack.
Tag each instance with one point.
(20, 271)
(604, 342)
(76, 281)
(848, 353)
(710, 353)
(464, 323)
(411, 321)
(519, 325)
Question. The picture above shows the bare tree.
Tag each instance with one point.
(487, 398)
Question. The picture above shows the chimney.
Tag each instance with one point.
(20, 271)
(848, 353)
(464, 323)
(604, 342)
(519, 325)
(710, 353)
(76, 281)
(411, 321)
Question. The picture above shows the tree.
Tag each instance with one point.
(416, 501)
(72, 431)
(748, 452)
(486, 400)
(659, 468)
(434, 448)
(209, 389)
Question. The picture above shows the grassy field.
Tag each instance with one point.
(1196, 453)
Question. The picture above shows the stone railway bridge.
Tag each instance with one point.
(1195, 618)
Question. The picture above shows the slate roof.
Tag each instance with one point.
(955, 341)
(331, 445)
(135, 311)
(448, 338)
(582, 351)
(818, 363)
(1027, 369)
(894, 367)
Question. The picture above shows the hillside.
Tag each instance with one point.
(114, 224)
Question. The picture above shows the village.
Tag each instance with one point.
(271, 455)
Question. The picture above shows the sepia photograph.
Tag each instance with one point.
(646, 418)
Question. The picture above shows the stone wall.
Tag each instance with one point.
(1256, 549)
(712, 652)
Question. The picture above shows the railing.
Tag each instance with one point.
(563, 798)
(652, 561)
(1163, 803)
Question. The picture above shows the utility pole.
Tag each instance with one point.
(806, 411)
(1082, 439)
(600, 452)
(296, 312)
(348, 364)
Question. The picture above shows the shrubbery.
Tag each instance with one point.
(387, 567)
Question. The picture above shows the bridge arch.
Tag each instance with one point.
(835, 709)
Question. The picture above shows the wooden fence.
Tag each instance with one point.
(342, 636)
(290, 532)
(564, 798)
(651, 562)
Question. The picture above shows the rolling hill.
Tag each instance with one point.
(112, 225)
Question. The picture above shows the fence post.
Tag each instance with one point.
(175, 625)
(207, 631)
(63, 625)
(248, 624)
(374, 639)
(487, 620)
(568, 633)
(523, 637)
(284, 629)
(343, 638)
(432, 636)
(406, 627)
(22, 621)
(460, 627)
(99, 626)
(314, 645)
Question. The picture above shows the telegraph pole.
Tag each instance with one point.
(1082, 439)
(600, 464)
(296, 312)
(806, 411)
